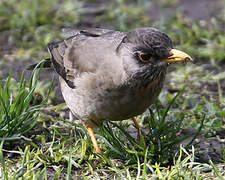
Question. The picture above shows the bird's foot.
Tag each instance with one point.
(93, 139)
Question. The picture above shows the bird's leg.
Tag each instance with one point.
(135, 122)
(93, 139)
(138, 127)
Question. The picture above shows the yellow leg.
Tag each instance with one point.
(135, 122)
(139, 128)
(93, 139)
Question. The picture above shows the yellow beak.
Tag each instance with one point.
(178, 56)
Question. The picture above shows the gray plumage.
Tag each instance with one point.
(101, 75)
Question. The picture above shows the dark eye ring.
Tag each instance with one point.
(144, 57)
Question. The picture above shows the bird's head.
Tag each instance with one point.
(146, 53)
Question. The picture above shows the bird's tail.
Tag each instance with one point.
(45, 63)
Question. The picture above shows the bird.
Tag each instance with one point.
(113, 75)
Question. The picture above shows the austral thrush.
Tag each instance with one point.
(106, 74)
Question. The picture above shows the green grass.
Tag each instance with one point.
(19, 107)
(159, 144)
(46, 145)
(35, 167)
(32, 24)
(124, 16)
(64, 149)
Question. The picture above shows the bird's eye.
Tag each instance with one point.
(145, 57)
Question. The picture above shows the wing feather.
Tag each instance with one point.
(81, 52)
